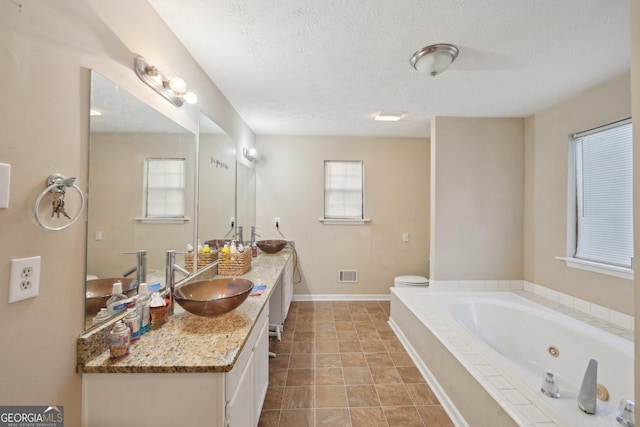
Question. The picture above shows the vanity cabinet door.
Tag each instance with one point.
(287, 284)
(239, 412)
(261, 369)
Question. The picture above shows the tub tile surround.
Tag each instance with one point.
(213, 343)
(518, 406)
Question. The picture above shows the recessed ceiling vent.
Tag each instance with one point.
(347, 276)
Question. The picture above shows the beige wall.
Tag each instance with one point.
(290, 186)
(635, 109)
(548, 134)
(46, 49)
(476, 198)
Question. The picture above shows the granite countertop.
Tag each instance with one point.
(186, 342)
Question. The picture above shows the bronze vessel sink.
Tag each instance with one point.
(98, 291)
(271, 246)
(213, 297)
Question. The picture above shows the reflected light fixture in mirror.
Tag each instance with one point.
(173, 89)
(434, 59)
(250, 154)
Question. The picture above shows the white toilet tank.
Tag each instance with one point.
(408, 281)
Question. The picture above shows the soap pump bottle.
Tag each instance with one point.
(117, 302)
(142, 307)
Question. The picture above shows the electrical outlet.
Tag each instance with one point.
(25, 278)
(232, 221)
(276, 221)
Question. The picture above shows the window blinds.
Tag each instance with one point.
(343, 189)
(604, 194)
(165, 188)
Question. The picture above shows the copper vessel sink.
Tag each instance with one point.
(271, 246)
(213, 297)
(98, 291)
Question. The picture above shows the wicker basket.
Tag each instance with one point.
(234, 264)
(204, 259)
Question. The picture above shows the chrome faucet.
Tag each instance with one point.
(170, 276)
(588, 389)
(140, 268)
(239, 238)
(254, 234)
(626, 413)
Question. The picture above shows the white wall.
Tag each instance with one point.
(548, 135)
(290, 186)
(476, 198)
(46, 51)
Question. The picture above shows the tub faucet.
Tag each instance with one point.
(170, 276)
(140, 268)
(588, 389)
(626, 413)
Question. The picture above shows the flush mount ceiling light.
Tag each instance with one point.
(434, 59)
(173, 89)
(389, 117)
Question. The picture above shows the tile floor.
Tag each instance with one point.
(340, 364)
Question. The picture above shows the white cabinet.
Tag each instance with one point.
(280, 299)
(238, 410)
(231, 399)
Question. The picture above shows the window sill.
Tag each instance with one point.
(162, 220)
(328, 221)
(596, 267)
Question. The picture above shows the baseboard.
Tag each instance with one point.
(456, 417)
(341, 297)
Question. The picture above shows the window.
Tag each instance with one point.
(164, 196)
(603, 211)
(344, 191)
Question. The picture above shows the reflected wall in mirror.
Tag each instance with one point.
(130, 207)
(246, 199)
(216, 182)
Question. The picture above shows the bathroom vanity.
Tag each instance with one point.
(192, 370)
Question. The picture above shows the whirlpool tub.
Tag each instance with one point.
(485, 354)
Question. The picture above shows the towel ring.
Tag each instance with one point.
(57, 183)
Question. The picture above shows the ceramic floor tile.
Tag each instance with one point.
(434, 416)
(335, 417)
(331, 396)
(269, 419)
(297, 417)
(393, 395)
(340, 364)
(405, 416)
(298, 397)
(362, 396)
(368, 417)
(328, 360)
(357, 376)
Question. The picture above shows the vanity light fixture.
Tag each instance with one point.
(389, 117)
(250, 154)
(173, 89)
(434, 59)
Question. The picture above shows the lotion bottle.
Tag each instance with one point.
(117, 302)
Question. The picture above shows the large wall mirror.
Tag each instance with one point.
(246, 198)
(216, 182)
(141, 189)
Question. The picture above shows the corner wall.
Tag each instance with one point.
(476, 198)
(290, 185)
(545, 229)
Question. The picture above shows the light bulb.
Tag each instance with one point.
(190, 98)
(177, 85)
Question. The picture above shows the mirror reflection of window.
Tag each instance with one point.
(164, 188)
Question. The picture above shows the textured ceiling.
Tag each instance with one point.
(325, 67)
